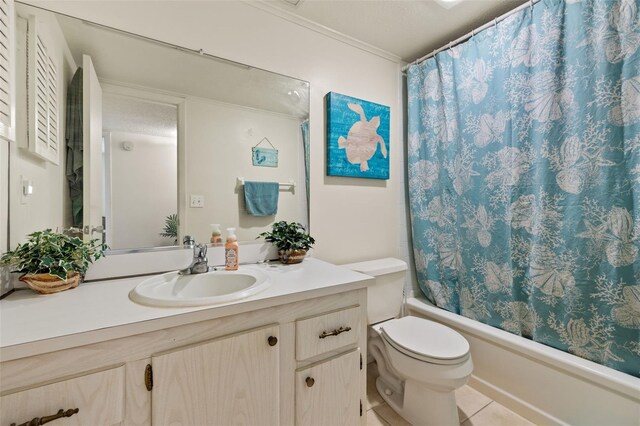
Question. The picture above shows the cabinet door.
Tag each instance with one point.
(233, 380)
(98, 398)
(328, 393)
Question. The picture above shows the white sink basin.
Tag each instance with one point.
(172, 289)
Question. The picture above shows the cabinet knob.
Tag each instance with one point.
(273, 340)
(310, 381)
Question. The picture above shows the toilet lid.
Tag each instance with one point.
(426, 340)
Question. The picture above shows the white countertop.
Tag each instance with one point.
(31, 323)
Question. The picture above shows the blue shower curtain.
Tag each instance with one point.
(524, 179)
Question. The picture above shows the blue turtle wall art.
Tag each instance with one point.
(357, 137)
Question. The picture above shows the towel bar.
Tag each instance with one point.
(290, 186)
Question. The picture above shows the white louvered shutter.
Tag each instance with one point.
(5, 69)
(52, 97)
(43, 97)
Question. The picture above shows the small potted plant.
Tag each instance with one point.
(52, 262)
(170, 229)
(291, 239)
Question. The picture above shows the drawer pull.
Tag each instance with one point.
(46, 419)
(273, 340)
(310, 381)
(334, 332)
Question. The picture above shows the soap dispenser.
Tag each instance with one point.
(231, 251)
(216, 234)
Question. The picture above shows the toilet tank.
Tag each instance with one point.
(384, 297)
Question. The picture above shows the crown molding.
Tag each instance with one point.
(321, 29)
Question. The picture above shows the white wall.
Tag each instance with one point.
(219, 141)
(4, 212)
(4, 194)
(49, 206)
(143, 187)
(352, 219)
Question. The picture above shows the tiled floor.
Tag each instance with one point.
(474, 408)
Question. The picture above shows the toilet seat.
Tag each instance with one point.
(437, 343)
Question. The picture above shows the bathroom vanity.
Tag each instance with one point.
(291, 354)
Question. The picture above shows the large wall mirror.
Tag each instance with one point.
(141, 143)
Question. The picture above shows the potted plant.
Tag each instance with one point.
(170, 229)
(291, 239)
(52, 262)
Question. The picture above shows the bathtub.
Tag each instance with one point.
(543, 384)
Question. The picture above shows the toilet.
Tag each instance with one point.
(421, 362)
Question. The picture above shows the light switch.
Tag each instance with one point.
(27, 190)
(197, 201)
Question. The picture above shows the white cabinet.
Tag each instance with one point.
(328, 380)
(230, 380)
(249, 368)
(95, 398)
(328, 393)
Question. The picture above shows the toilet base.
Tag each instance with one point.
(423, 393)
(420, 405)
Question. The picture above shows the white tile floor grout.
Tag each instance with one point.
(474, 408)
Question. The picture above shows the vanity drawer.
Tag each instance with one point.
(327, 332)
(99, 398)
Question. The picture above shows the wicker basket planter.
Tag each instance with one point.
(47, 283)
(291, 239)
(46, 256)
(289, 257)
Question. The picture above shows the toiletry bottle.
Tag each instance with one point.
(231, 251)
(216, 235)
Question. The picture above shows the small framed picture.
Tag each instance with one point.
(264, 157)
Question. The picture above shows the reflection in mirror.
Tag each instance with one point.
(138, 132)
(148, 144)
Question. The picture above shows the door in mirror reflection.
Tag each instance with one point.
(92, 170)
(140, 158)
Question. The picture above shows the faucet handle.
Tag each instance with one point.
(199, 251)
(188, 241)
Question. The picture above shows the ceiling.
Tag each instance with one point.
(408, 29)
(132, 115)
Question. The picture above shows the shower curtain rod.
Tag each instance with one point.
(467, 36)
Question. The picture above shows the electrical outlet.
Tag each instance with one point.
(197, 201)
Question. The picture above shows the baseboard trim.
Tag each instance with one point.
(513, 403)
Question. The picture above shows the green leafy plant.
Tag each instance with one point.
(47, 252)
(288, 236)
(170, 229)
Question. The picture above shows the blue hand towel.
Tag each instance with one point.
(261, 198)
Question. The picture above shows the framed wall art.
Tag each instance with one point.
(264, 157)
(357, 137)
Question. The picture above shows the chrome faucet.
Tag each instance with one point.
(199, 264)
